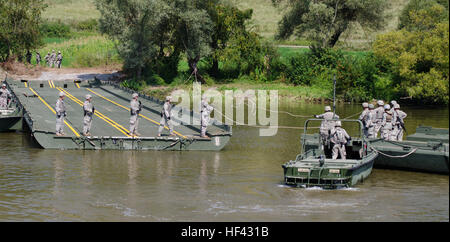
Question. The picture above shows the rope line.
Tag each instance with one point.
(393, 156)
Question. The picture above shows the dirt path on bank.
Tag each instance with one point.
(31, 73)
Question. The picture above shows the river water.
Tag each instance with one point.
(243, 182)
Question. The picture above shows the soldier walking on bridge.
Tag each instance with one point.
(60, 114)
(89, 111)
(47, 59)
(326, 124)
(166, 117)
(135, 109)
(366, 119)
(52, 58)
(4, 96)
(206, 111)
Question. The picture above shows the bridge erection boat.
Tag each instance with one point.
(316, 168)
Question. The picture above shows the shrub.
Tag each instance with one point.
(54, 29)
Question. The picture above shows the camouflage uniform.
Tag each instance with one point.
(206, 111)
(165, 117)
(387, 124)
(38, 58)
(52, 59)
(379, 111)
(373, 120)
(89, 111)
(326, 124)
(4, 95)
(47, 59)
(60, 109)
(135, 109)
(59, 60)
(366, 119)
(399, 116)
(339, 138)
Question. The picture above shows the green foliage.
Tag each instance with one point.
(417, 12)
(19, 26)
(54, 29)
(133, 84)
(87, 25)
(324, 21)
(419, 55)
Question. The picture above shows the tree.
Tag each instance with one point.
(136, 27)
(419, 54)
(323, 21)
(421, 8)
(19, 26)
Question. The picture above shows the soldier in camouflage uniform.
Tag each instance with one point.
(38, 58)
(326, 124)
(4, 95)
(373, 120)
(89, 111)
(379, 111)
(206, 111)
(399, 116)
(135, 109)
(366, 119)
(52, 59)
(339, 138)
(60, 109)
(47, 59)
(387, 123)
(59, 59)
(166, 116)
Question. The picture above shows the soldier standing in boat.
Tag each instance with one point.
(60, 114)
(373, 120)
(4, 96)
(339, 138)
(166, 116)
(89, 111)
(326, 125)
(135, 109)
(206, 111)
(387, 123)
(399, 124)
(366, 119)
(379, 111)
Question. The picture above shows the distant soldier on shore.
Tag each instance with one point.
(38, 58)
(387, 123)
(52, 59)
(4, 96)
(29, 56)
(379, 111)
(89, 111)
(135, 109)
(60, 109)
(339, 138)
(47, 59)
(326, 124)
(166, 117)
(399, 123)
(205, 112)
(366, 119)
(59, 59)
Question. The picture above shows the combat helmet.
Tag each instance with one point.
(327, 108)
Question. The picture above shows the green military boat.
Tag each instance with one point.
(316, 168)
(12, 116)
(427, 150)
(109, 131)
